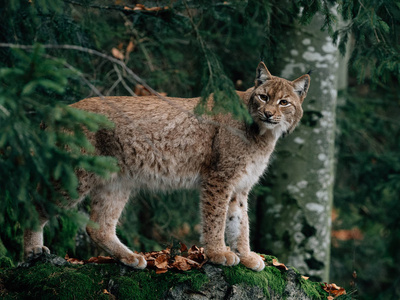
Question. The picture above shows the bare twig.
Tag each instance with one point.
(113, 87)
(123, 81)
(199, 39)
(87, 82)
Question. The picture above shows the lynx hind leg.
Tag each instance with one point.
(33, 239)
(237, 232)
(33, 242)
(107, 204)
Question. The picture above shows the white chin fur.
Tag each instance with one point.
(277, 129)
(269, 125)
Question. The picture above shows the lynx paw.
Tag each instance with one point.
(253, 261)
(36, 251)
(225, 258)
(136, 261)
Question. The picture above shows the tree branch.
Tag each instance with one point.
(127, 9)
(123, 81)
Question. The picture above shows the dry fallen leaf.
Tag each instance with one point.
(181, 263)
(139, 7)
(106, 292)
(183, 248)
(140, 90)
(130, 48)
(161, 271)
(305, 277)
(142, 7)
(279, 265)
(73, 261)
(348, 234)
(101, 260)
(161, 261)
(333, 289)
(117, 54)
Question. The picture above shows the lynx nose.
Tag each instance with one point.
(268, 114)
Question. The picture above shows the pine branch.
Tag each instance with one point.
(105, 56)
(120, 78)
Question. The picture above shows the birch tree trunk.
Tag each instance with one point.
(297, 212)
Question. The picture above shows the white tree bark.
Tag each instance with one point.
(298, 210)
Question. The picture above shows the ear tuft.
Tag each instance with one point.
(262, 74)
(301, 85)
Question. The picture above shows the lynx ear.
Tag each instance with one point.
(262, 74)
(301, 85)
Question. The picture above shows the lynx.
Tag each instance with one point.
(160, 147)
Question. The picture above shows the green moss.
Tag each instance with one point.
(269, 278)
(6, 262)
(269, 259)
(46, 281)
(196, 279)
(312, 289)
(71, 284)
(3, 249)
(149, 285)
(143, 284)
(127, 287)
(272, 278)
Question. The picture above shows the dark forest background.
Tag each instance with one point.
(54, 53)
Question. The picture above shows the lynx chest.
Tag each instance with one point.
(252, 172)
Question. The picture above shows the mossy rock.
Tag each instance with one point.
(44, 280)
(5, 262)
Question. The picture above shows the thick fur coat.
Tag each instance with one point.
(161, 145)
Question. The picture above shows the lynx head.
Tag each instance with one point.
(275, 103)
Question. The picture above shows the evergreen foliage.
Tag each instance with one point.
(367, 193)
(374, 27)
(42, 141)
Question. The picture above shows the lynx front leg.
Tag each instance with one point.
(33, 241)
(108, 201)
(237, 232)
(215, 198)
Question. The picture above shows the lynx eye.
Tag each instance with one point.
(284, 102)
(263, 98)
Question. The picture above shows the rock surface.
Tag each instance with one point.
(219, 288)
(50, 276)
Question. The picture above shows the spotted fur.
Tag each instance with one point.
(161, 147)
